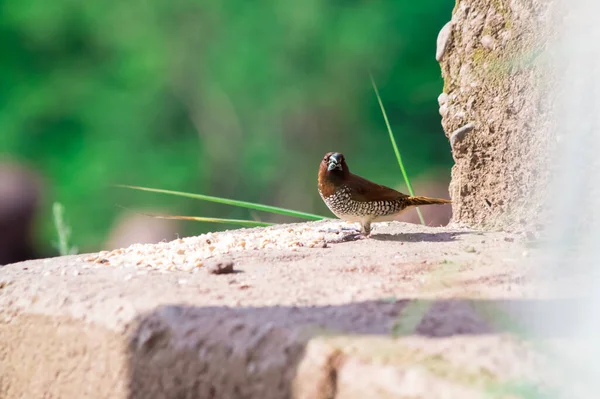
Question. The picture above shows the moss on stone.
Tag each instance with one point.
(394, 352)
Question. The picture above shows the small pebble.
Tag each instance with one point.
(220, 267)
(443, 110)
(488, 42)
(460, 133)
(442, 41)
(442, 99)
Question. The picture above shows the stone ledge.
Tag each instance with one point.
(342, 322)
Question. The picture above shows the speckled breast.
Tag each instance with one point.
(342, 204)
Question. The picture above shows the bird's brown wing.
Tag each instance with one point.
(364, 190)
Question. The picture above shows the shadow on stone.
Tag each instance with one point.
(416, 237)
(281, 352)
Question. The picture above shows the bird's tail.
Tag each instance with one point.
(416, 201)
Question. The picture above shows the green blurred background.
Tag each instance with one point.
(234, 98)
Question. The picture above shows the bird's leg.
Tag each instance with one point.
(365, 228)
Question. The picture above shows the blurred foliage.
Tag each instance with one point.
(232, 98)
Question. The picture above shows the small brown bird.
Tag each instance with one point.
(354, 199)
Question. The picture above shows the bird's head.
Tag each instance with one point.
(334, 161)
(333, 168)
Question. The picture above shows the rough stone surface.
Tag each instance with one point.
(493, 67)
(411, 312)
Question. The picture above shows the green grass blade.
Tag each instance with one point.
(398, 156)
(226, 201)
(237, 222)
(63, 230)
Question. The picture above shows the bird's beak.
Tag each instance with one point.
(333, 164)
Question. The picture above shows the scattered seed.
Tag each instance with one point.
(192, 253)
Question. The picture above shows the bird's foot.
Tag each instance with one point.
(365, 230)
(349, 233)
(351, 237)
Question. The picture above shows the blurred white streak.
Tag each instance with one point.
(574, 245)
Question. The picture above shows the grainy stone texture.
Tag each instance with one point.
(496, 98)
(411, 312)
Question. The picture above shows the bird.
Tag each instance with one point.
(355, 199)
